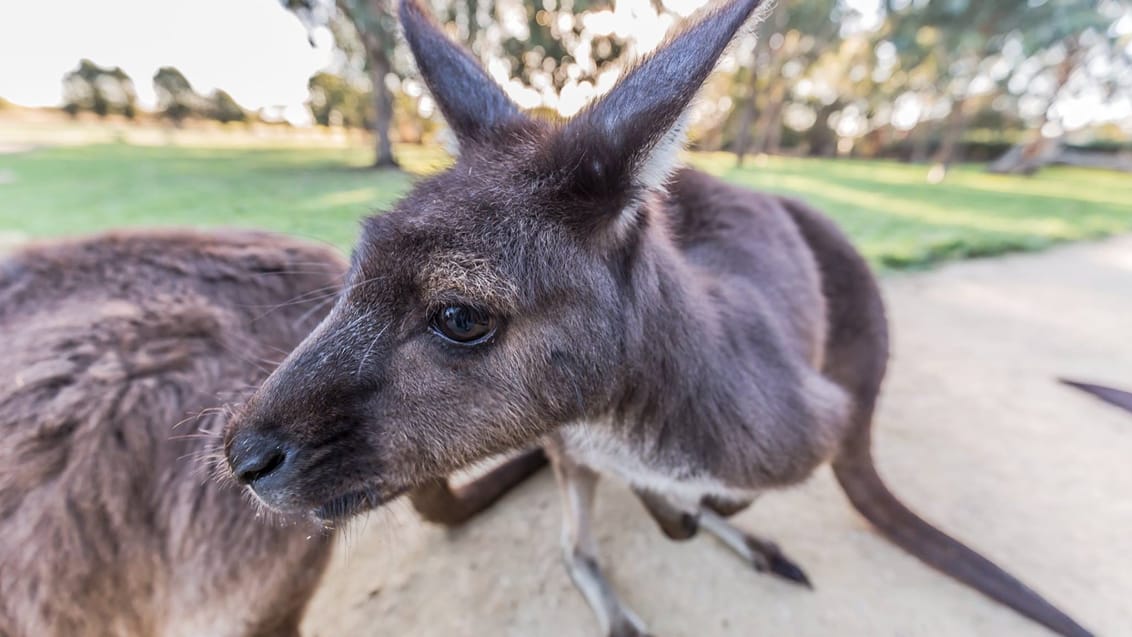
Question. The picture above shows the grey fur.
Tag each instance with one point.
(701, 341)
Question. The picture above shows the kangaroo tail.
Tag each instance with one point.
(858, 476)
(441, 503)
(1111, 396)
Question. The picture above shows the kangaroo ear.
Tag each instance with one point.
(629, 140)
(472, 103)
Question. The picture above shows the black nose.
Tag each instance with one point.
(256, 456)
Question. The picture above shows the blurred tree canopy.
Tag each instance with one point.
(176, 99)
(104, 91)
(224, 109)
(538, 51)
(334, 101)
(942, 80)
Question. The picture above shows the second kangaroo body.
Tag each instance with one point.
(569, 283)
(117, 351)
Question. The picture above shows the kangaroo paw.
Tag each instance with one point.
(764, 555)
(629, 626)
(768, 558)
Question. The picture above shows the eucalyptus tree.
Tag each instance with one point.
(1062, 49)
(970, 46)
(790, 40)
(364, 29)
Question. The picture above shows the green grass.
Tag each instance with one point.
(318, 193)
(896, 217)
(899, 220)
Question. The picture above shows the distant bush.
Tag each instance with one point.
(176, 99)
(223, 108)
(334, 101)
(99, 90)
(1111, 147)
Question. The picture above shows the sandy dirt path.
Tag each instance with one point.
(972, 431)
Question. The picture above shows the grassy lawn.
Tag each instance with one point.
(894, 215)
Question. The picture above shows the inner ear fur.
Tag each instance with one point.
(626, 144)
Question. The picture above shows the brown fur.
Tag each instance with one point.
(701, 341)
(115, 349)
(116, 352)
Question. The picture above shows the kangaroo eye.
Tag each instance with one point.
(463, 324)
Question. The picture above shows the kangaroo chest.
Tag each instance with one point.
(666, 472)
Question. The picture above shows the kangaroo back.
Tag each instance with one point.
(116, 351)
(856, 357)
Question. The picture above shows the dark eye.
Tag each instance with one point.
(463, 324)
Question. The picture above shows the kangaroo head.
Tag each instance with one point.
(497, 300)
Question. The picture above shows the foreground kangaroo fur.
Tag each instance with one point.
(566, 282)
(110, 523)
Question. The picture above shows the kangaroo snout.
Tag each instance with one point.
(263, 461)
(255, 457)
(303, 449)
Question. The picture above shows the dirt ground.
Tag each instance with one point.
(973, 431)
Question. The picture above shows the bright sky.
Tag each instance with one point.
(258, 52)
(254, 49)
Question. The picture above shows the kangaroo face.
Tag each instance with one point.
(494, 302)
(472, 322)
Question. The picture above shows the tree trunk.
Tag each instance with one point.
(383, 102)
(769, 116)
(774, 129)
(1028, 158)
(953, 131)
(921, 142)
(747, 116)
(367, 16)
(821, 139)
(777, 21)
(473, 22)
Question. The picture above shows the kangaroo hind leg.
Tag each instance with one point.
(579, 551)
(761, 553)
(681, 522)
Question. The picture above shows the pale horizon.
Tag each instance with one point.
(260, 53)
(255, 50)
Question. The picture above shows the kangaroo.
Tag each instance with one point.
(569, 283)
(111, 524)
(1115, 397)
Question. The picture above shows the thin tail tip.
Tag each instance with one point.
(1119, 398)
(871, 497)
(1072, 629)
